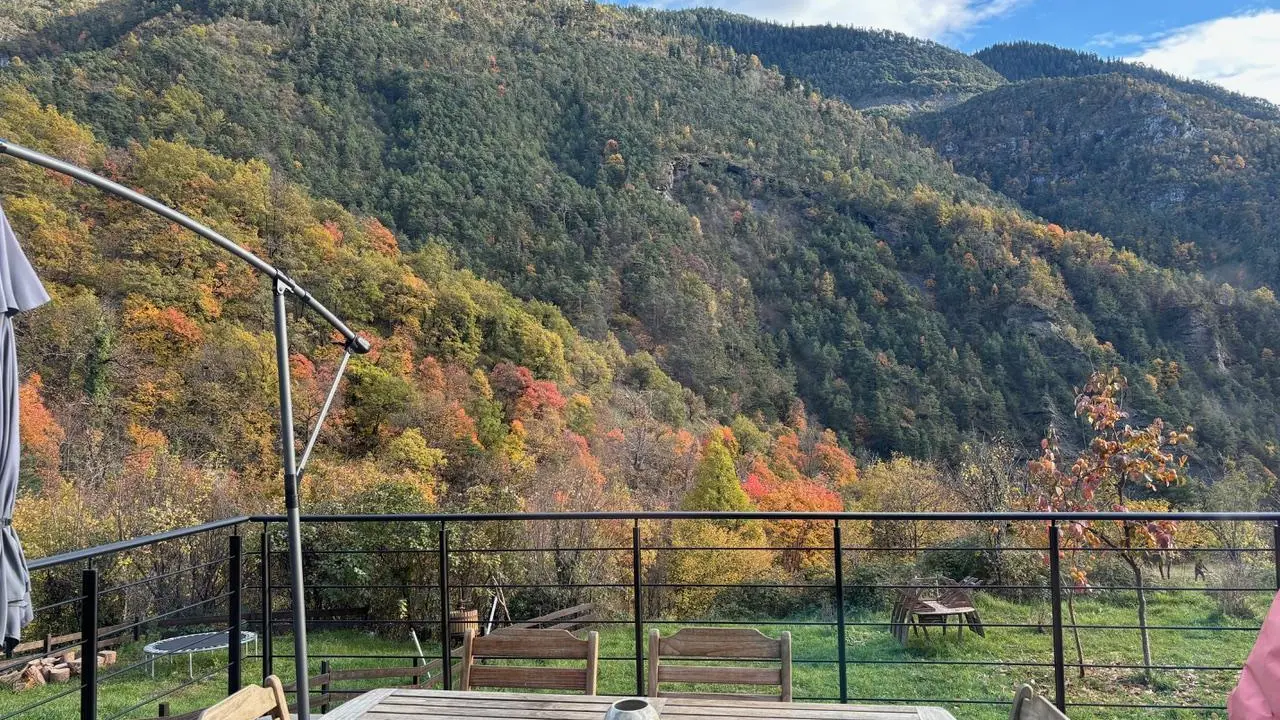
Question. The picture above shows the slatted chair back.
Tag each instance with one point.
(251, 703)
(746, 644)
(530, 644)
(1028, 705)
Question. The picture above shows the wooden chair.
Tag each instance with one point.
(530, 644)
(719, 644)
(1027, 705)
(251, 703)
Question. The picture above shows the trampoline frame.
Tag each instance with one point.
(152, 650)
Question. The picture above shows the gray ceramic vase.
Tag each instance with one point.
(632, 709)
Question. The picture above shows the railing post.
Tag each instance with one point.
(1275, 551)
(89, 644)
(838, 548)
(163, 710)
(417, 679)
(1055, 597)
(324, 686)
(446, 654)
(235, 618)
(637, 606)
(265, 563)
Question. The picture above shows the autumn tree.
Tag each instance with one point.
(1117, 462)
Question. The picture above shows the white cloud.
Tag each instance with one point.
(935, 19)
(1111, 39)
(1239, 52)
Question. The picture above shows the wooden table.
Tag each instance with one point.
(405, 704)
(932, 612)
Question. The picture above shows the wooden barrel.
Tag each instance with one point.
(462, 620)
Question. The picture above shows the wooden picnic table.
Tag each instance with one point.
(411, 704)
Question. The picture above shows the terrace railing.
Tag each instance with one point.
(392, 573)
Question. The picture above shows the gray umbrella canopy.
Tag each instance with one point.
(20, 290)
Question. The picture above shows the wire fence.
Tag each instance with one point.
(1104, 631)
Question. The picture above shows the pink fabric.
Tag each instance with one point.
(1257, 695)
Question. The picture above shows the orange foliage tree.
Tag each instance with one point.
(1118, 461)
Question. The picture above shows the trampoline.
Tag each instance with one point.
(189, 645)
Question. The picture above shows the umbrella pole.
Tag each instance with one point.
(291, 504)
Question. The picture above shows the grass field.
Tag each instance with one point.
(880, 668)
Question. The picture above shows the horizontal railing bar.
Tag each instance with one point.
(452, 551)
(131, 544)
(171, 613)
(976, 663)
(931, 701)
(754, 586)
(60, 603)
(549, 586)
(153, 578)
(1137, 516)
(1147, 706)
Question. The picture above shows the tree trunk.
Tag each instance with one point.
(1142, 620)
(1075, 631)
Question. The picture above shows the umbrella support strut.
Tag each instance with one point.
(289, 460)
(281, 284)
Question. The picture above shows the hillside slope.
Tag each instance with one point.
(1029, 61)
(758, 240)
(865, 68)
(1180, 179)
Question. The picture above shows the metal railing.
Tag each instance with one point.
(430, 563)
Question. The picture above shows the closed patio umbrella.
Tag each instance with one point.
(20, 290)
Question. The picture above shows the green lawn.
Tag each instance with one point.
(897, 672)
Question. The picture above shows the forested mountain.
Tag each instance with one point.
(865, 68)
(1029, 61)
(1180, 179)
(685, 204)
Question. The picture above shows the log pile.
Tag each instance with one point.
(54, 669)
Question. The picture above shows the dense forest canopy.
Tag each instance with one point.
(593, 244)
(1178, 178)
(1019, 61)
(865, 68)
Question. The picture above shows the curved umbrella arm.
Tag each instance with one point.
(355, 343)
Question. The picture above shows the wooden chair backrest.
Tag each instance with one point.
(251, 703)
(719, 644)
(1027, 705)
(530, 644)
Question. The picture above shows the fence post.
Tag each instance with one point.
(1055, 596)
(324, 686)
(446, 655)
(637, 606)
(417, 679)
(235, 617)
(89, 644)
(265, 563)
(838, 549)
(163, 711)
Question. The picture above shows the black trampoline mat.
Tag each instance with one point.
(199, 642)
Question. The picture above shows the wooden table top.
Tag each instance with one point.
(405, 704)
(937, 608)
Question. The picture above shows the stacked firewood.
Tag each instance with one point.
(54, 669)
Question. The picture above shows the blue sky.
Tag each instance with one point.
(1235, 43)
